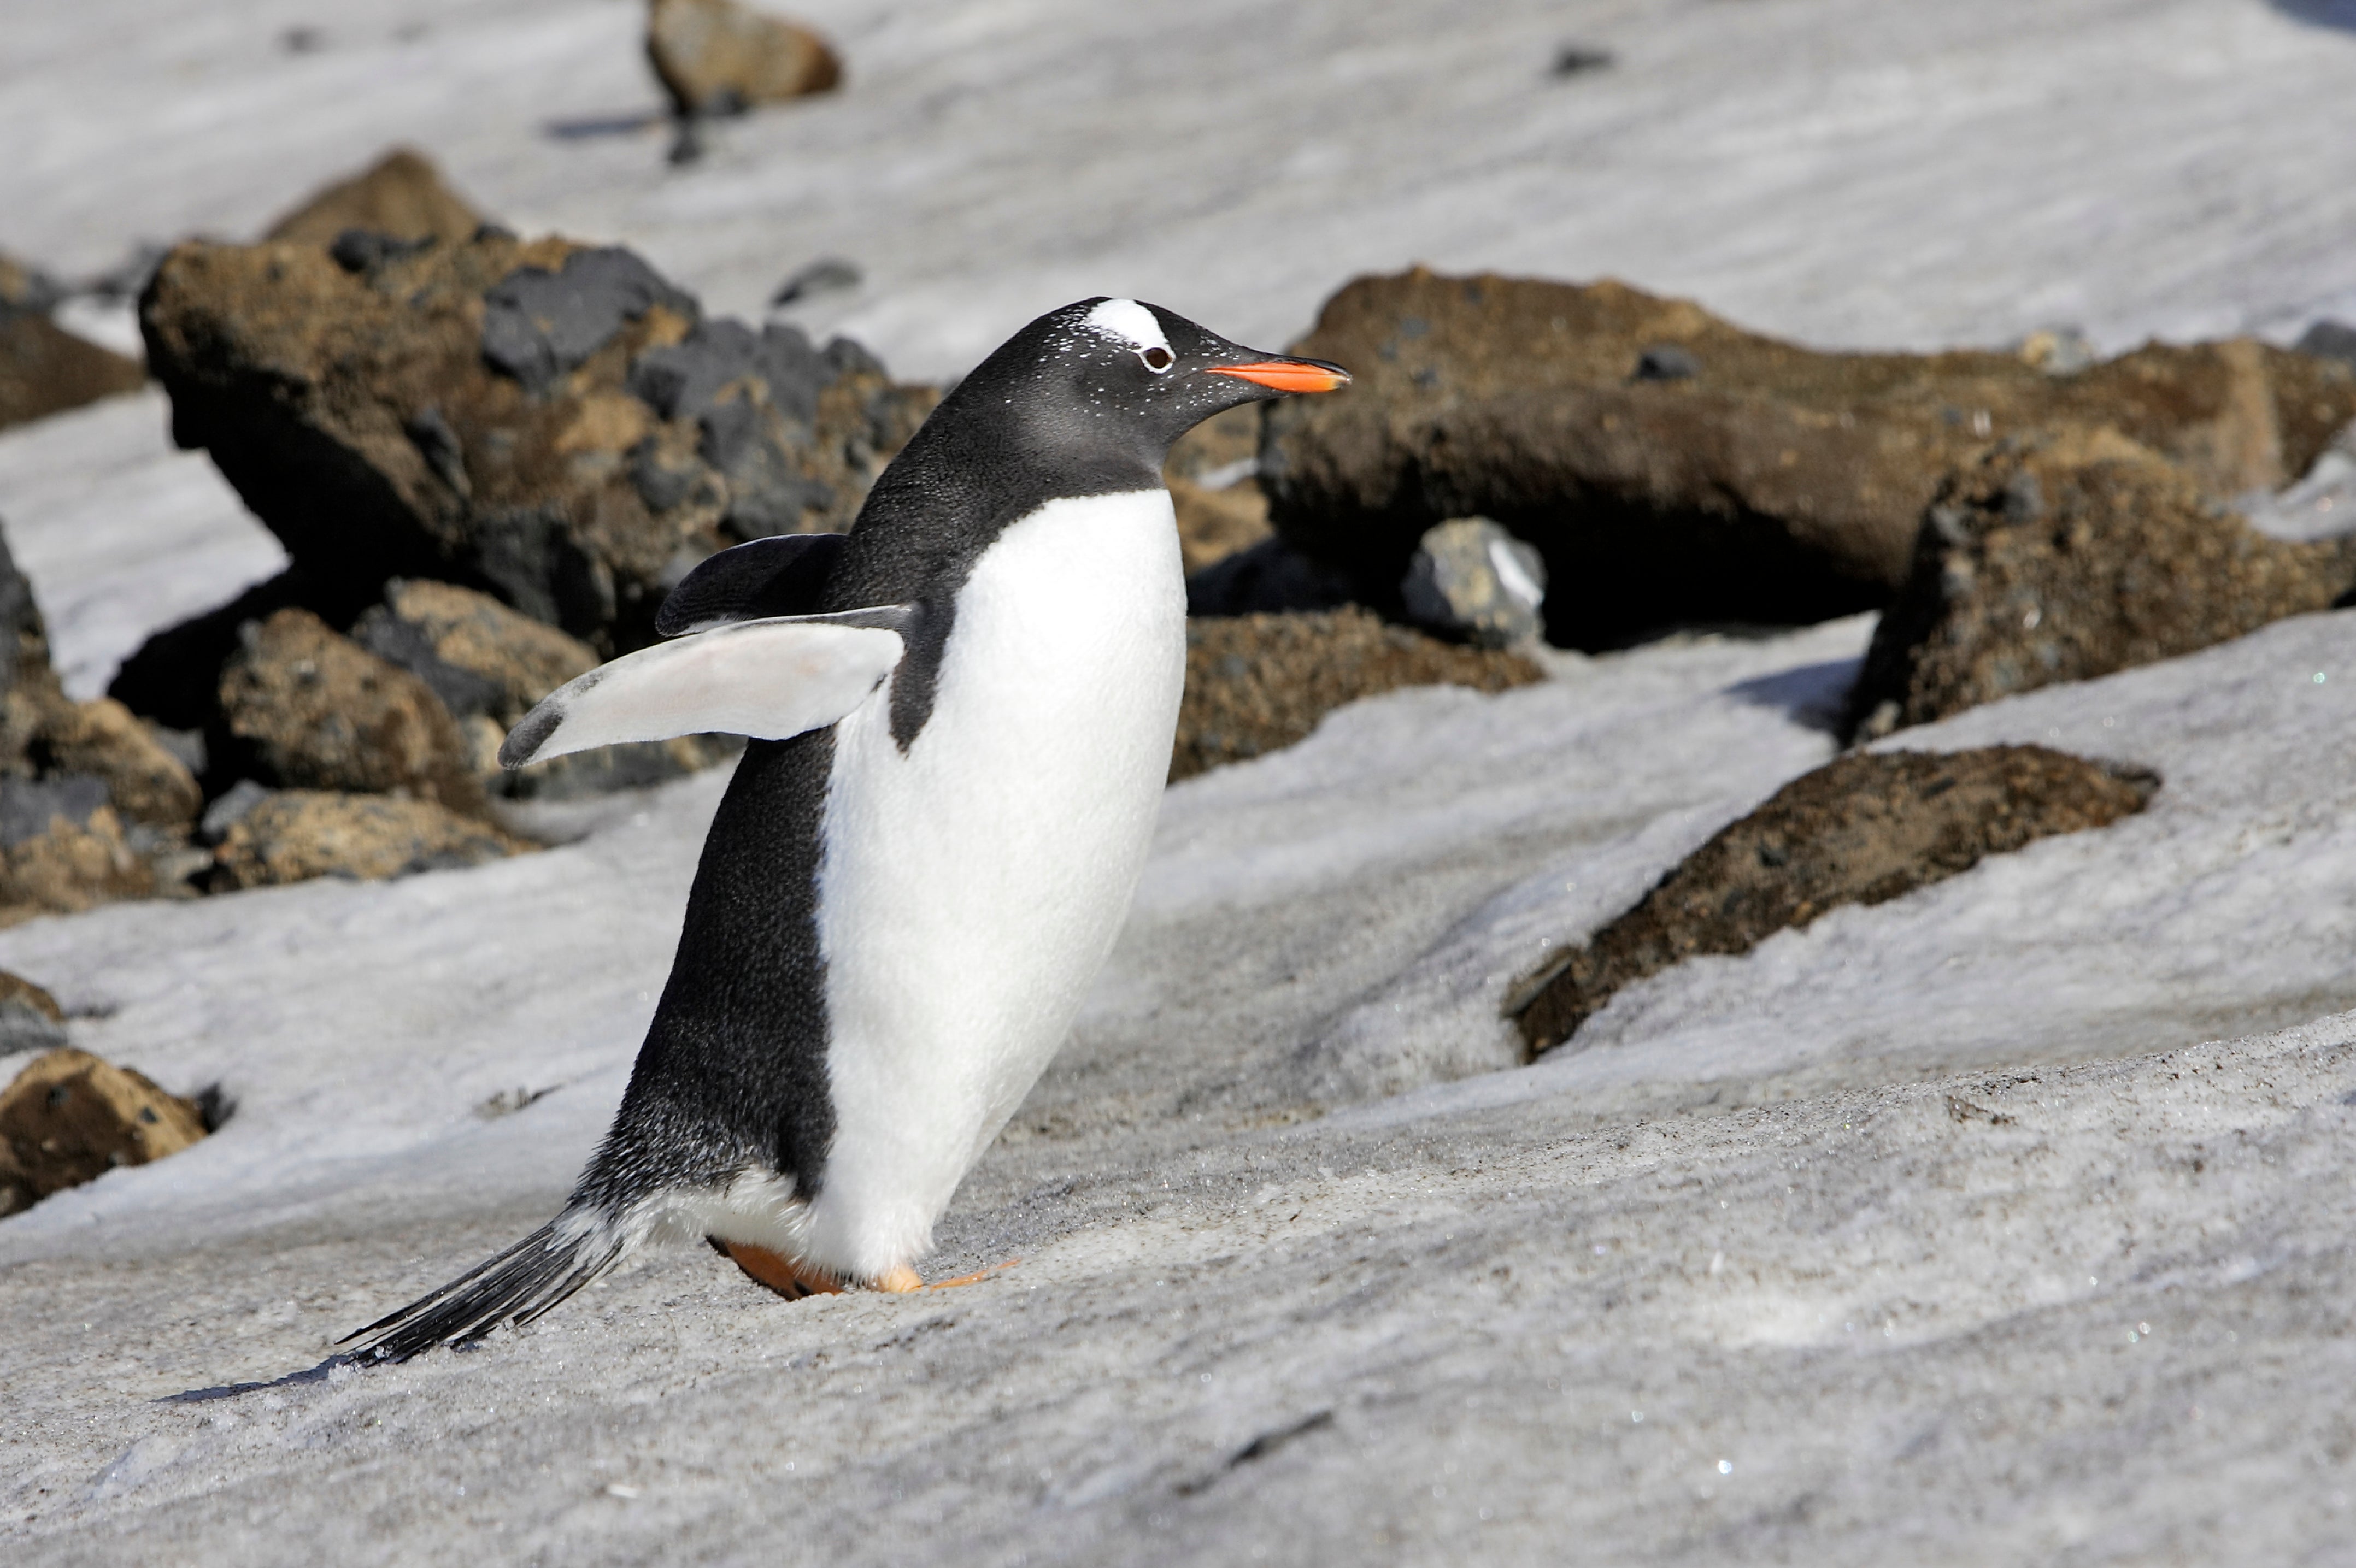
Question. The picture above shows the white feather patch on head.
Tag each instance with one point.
(1126, 323)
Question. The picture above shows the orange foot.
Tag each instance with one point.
(795, 1280)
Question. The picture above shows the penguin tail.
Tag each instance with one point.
(516, 1286)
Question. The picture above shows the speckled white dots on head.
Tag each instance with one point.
(1126, 323)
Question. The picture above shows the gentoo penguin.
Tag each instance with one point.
(961, 714)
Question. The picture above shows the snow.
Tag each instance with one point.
(2006, 1220)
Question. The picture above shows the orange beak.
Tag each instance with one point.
(1289, 375)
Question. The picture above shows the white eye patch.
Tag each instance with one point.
(1129, 324)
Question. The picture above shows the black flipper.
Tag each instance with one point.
(516, 1286)
(786, 575)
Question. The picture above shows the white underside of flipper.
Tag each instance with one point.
(971, 887)
(768, 679)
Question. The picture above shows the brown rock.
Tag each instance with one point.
(297, 835)
(45, 370)
(63, 851)
(1862, 829)
(146, 782)
(717, 57)
(70, 1117)
(1258, 683)
(322, 712)
(490, 665)
(546, 423)
(512, 659)
(30, 1019)
(401, 196)
(2066, 557)
(1674, 468)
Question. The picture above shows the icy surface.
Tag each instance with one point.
(1892, 1241)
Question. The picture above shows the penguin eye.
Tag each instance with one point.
(1157, 359)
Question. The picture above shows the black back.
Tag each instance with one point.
(733, 1069)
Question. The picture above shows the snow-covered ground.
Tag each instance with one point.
(1933, 1233)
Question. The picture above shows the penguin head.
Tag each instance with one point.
(1121, 378)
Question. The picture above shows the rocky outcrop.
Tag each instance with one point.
(551, 424)
(319, 712)
(70, 1117)
(718, 57)
(2066, 557)
(1255, 684)
(1674, 468)
(293, 835)
(45, 370)
(400, 197)
(1860, 830)
(1212, 473)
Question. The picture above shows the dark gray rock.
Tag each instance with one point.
(539, 325)
(1268, 578)
(27, 807)
(2330, 340)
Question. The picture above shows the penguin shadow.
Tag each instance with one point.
(1814, 695)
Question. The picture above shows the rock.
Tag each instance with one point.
(1862, 829)
(63, 849)
(828, 274)
(2057, 350)
(26, 290)
(2334, 340)
(2066, 557)
(717, 57)
(401, 196)
(143, 779)
(1271, 578)
(1257, 684)
(70, 1117)
(477, 413)
(229, 809)
(297, 835)
(30, 1019)
(319, 712)
(480, 656)
(45, 370)
(1473, 581)
(490, 665)
(1771, 484)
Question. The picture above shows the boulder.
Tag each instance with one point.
(145, 781)
(1257, 684)
(490, 665)
(1266, 579)
(70, 1117)
(550, 423)
(1859, 831)
(315, 711)
(30, 1019)
(2062, 557)
(1471, 580)
(293, 835)
(718, 57)
(1672, 467)
(401, 196)
(45, 370)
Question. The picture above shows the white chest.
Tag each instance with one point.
(971, 886)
